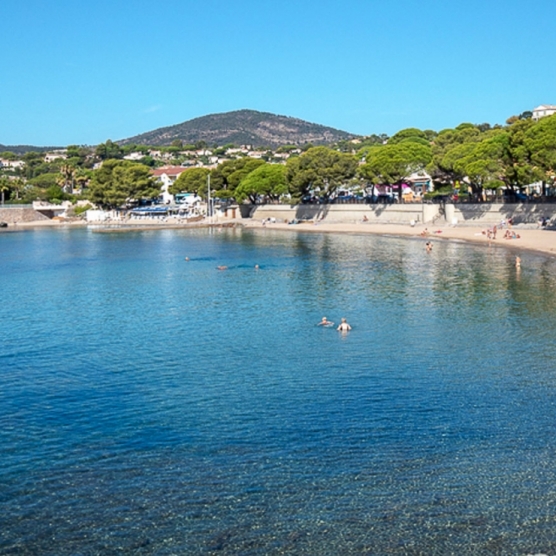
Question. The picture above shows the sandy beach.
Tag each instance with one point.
(531, 239)
(540, 240)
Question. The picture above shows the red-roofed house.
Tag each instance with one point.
(167, 175)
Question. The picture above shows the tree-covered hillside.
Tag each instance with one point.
(243, 127)
(22, 149)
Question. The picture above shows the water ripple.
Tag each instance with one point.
(150, 404)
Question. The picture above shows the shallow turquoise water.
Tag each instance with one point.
(150, 405)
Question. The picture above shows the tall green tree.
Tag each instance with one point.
(540, 141)
(119, 181)
(393, 163)
(192, 180)
(320, 171)
(485, 162)
(46, 180)
(409, 133)
(267, 181)
(446, 148)
(520, 169)
(227, 175)
(109, 150)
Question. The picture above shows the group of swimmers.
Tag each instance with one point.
(343, 327)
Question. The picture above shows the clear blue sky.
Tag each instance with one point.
(76, 72)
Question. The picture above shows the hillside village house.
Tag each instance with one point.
(134, 156)
(167, 175)
(13, 164)
(543, 110)
(55, 155)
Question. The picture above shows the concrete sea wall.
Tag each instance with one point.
(479, 214)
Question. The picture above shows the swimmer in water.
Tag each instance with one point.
(344, 326)
(222, 267)
(325, 322)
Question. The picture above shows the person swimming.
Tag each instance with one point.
(325, 322)
(344, 326)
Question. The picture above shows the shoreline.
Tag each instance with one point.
(537, 240)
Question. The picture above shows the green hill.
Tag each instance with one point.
(242, 127)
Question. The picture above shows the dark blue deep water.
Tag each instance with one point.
(150, 405)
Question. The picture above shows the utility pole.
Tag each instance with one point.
(209, 211)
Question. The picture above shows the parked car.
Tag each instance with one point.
(515, 197)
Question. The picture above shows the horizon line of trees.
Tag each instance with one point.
(469, 158)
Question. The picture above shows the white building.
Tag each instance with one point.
(543, 110)
(13, 164)
(167, 175)
(55, 155)
(134, 156)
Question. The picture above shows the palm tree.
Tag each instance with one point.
(4, 187)
(68, 174)
(18, 185)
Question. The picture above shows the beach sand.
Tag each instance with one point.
(540, 240)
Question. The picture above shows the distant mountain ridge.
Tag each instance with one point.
(22, 149)
(242, 127)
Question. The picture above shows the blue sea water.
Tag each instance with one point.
(153, 405)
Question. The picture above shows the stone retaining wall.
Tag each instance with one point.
(12, 215)
(337, 213)
(479, 214)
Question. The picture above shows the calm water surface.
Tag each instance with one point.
(150, 405)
